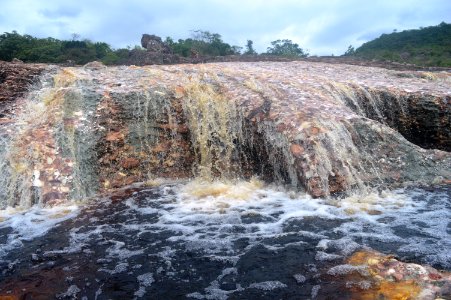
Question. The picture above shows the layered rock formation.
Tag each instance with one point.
(317, 127)
(15, 80)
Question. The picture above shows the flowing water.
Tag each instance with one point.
(217, 240)
(73, 226)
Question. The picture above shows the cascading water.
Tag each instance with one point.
(268, 143)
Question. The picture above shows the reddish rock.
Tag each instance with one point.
(130, 163)
(51, 197)
(296, 150)
(114, 136)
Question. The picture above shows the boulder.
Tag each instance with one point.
(154, 43)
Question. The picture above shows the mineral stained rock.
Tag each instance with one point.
(372, 275)
(15, 79)
(318, 127)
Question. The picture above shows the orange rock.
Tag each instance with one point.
(130, 163)
(296, 150)
(314, 130)
(39, 134)
(114, 136)
(8, 297)
(179, 92)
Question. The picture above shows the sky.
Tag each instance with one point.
(318, 26)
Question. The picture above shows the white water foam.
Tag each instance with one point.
(31, 223)
(210, 224)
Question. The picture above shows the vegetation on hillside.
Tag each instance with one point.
(50, 50)
(429, 46)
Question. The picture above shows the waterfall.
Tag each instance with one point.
(88, 130)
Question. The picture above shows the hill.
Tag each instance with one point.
(429, 46)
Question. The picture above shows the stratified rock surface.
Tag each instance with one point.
(15, 80)
(322, 128)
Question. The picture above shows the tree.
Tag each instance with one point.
(237, 50)
(250, 48)
(350, 51)
(204, 43)
(286, 48)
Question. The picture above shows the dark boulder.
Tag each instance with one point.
(154, 43)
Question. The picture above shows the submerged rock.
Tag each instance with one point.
(372, 275)
(317, 127)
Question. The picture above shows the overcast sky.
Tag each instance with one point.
(321, 27)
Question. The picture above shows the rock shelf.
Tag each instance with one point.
(317, 127)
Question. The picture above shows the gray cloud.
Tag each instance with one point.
(322, 27)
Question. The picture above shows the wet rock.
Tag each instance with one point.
(322, 128)
(389, 278)
(130, 163)
(15, 79)
(296, 150)
(94, 66)
(114, 136)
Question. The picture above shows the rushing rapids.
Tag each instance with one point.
(293, 163)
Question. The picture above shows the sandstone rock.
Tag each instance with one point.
(15, 79)
(320, 128)
(114, 136)
(296, 150)
(130, 163)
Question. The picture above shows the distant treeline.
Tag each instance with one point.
(50, 50)
(429, 46)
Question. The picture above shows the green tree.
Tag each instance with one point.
(286, 48)
(250, 48)
(204, 43)
(350, 51)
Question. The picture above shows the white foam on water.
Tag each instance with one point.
(119, 268)
(118, 250)
(211, 220)
(347, 269)
(268, 285)
(28, 224)
(145, 280)
(299, 278)
(210, 217)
